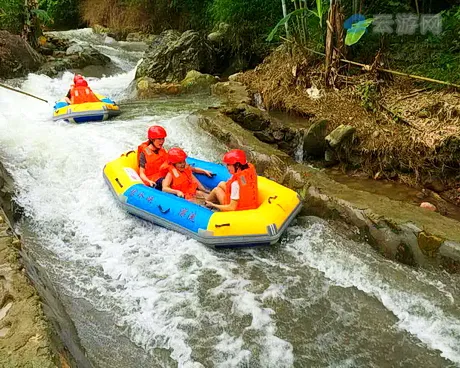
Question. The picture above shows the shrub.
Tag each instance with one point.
(12, 15)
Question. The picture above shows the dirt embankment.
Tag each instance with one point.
(405, 131)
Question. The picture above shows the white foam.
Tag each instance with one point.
(417, 313)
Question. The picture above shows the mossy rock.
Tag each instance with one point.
(429, 244)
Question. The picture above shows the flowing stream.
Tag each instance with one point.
(144, 296)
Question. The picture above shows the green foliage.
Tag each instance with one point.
(433, 56)
(61, 13)
(283, 21)
(42, 16)
(305, 26)
(249, 23)
(12, 15)
(368, 93)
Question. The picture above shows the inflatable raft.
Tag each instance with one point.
(85, 112)
(262, 226)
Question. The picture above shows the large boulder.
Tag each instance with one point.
(195, 81)
(172, 54)
(147, 88)
(84, 55)
(314, 144)
(17, 57)
(74, 57)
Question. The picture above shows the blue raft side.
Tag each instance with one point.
(169, 207)
(85, 119)
(220, 171)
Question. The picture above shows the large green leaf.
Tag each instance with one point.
(282, 22)
(357, 31)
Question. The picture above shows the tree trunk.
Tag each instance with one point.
(283, 4)
(334, 41)
(32, 29)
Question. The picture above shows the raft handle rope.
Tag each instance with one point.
(118, 182)
(24, 93)
(221, 225)
(128, 153)
(270, 199)
(162, 210)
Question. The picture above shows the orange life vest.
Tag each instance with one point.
(79, 95)
(247, 179)
(183, 181)
(153, 161)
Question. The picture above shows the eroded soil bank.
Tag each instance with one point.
(35, 330)
(403, 130)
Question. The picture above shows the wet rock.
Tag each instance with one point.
(17, 57)
(89, 56)
(235, 76)
(339, 135)
(233, 93)
(429, 244)
(330, 158)
(264, 136)
(117, 35)
(46, 50)
(140, 37)
(248, 117)
(434, 184)
(195, 81)
(147, 88)
(74, 49)
(218, 35)
(172, 54)
(428, 206)
(314, 143)
(278, 134)
(109, 40)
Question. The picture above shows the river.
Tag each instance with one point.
(143, 296)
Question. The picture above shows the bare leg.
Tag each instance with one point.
(217, 195)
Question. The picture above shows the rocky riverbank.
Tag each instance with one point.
(54, 55)
(35, 330)
(398, 230)
(25, 336)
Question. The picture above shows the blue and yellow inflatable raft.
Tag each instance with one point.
(85, 112)
(262, 226)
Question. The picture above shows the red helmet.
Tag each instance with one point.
(234, 156)
(176, 155)
(156, 132)
(81, 83)
(77, 77)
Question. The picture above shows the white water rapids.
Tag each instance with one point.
(144, 296)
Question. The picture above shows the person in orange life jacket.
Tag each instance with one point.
(81, 93)
(180, 180)
(75, 78)
(240, 192)
(152, 158)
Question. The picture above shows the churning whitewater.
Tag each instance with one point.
(141, 295)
